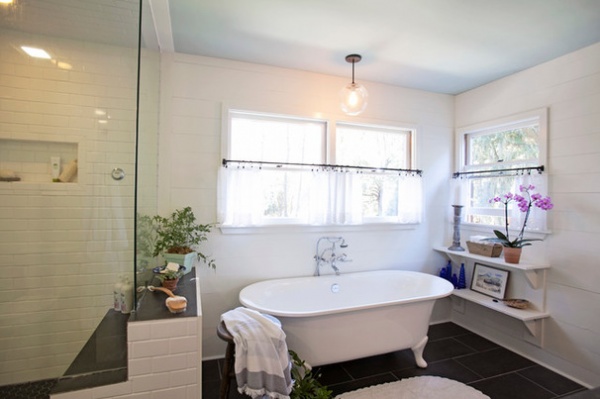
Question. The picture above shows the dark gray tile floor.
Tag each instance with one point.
(29, 390)
(452, 352)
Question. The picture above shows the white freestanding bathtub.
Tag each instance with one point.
(329, 319)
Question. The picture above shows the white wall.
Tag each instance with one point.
(62, 245)
(570, 87)
(193, 91)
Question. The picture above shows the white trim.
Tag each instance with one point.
(277, 229)
(161, 17)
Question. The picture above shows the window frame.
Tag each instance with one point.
(539, 116)
(410, 154)
(329, 145)
(498, 125)
(226, 138)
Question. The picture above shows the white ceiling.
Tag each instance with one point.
(444, 46)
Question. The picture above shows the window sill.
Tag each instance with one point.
(276, 229)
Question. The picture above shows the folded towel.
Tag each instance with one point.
(262, 362)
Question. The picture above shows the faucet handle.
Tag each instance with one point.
(344, 258)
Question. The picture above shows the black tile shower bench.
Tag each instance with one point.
(103, 359)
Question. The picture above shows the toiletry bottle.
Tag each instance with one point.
(55, 167)
(117, 294)
(69, 172)
(127, 297)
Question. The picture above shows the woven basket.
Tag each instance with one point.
(490, 250)
(516, 303)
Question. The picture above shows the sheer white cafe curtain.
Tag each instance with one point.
(475, 192)
(323, 197)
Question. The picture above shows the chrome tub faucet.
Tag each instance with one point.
(332, 258)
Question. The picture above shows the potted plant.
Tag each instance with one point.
(513, 248)
(178, 238)
(306, 385)
(169, 278)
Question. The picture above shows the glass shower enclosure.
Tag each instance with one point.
(68, 118)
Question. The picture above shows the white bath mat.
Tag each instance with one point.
(425, 387)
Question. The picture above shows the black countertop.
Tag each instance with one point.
(151, 305)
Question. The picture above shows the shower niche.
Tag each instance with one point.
(38, 161)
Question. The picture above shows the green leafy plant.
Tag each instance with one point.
(145, 235)
(180, 233)
(306, 385)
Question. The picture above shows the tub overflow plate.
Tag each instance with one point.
(335, 288)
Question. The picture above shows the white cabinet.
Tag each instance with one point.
(526, 281)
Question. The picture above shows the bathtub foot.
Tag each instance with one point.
(418, 352)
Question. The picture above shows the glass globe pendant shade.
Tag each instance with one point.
(353, 99)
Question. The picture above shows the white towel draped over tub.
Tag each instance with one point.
(262, 362)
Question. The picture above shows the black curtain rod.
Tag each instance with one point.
(322, 165)
(539, 169)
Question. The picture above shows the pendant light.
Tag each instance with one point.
(353, 97)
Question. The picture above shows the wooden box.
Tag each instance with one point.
(491, 250)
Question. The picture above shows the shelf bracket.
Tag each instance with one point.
(532, 278)
(532, 327)
(536, 331)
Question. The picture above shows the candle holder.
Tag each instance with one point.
(456, 235)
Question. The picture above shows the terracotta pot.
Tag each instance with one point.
(512, 255)
(170, 284)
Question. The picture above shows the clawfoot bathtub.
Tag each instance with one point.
(329, 319)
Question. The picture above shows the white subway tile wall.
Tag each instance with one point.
(62, 246)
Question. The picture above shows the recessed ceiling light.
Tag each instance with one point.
(36, 52)
(6, 1)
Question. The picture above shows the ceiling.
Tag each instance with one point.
(113, 22)
(443, 46)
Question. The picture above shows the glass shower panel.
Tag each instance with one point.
(68, 92)
(147, 153)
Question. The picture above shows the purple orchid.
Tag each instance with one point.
(524, 203)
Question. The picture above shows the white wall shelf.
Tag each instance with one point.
(531, 271)
(529, 314)
(534, 274)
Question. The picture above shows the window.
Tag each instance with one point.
(375, 147)
(302, 172)
(273, 138)
(495, 158)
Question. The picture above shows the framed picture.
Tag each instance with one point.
(489, 280)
